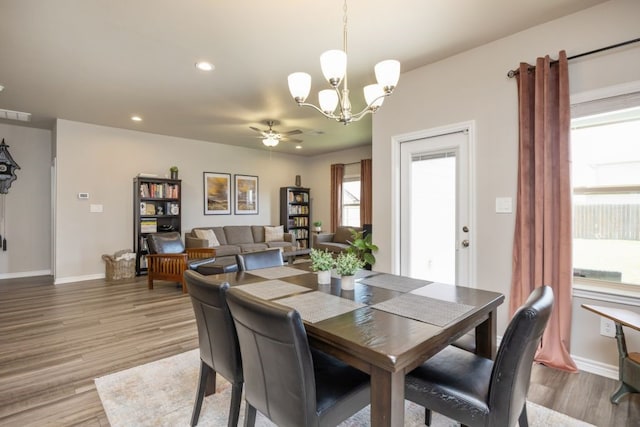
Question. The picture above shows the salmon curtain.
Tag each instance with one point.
(337, 174)
(365, 192)
(543, 235)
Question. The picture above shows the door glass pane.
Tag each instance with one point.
(433, 218)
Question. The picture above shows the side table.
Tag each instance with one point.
(629, 363)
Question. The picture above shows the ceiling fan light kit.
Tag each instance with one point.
(271, 138)
(334, 69)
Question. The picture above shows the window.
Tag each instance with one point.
(351, 195)
(606, 196)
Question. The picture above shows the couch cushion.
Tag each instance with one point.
(227, 250)
(258, 233)
(343, 235)
(207, 234)
(287, 246)
(237, 234)
(252, 247)
(274, 234)
(220, 235)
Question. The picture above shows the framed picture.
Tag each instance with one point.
(246, 194)
(217, 193)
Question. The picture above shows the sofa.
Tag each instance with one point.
(230, 240)
(334, 242)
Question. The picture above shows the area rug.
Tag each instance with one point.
(162, 393)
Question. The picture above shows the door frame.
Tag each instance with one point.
(396, 141)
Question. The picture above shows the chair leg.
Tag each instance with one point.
(149, 281)
(427, 416)
(234, 409)
(249, 415)
(205, 371)
(523, 421)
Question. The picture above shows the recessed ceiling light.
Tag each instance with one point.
(298, 147)
(1, 88)
(136, 118)
(204, 66)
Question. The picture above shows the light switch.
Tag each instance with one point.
(504, 205)
(83, 196)
(95, 208)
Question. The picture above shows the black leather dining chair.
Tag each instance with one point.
(217, 340)
(480, 392)
(286, 380)
(261, 259)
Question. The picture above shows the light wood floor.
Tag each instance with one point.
(54, 340)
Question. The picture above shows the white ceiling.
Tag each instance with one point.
(102, 61)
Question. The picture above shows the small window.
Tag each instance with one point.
(351, 195)
(605, 151)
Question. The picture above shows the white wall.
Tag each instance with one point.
(474, 86)
(28, 203)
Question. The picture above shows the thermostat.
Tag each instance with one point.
(83, 195)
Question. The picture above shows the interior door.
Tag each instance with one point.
(435, 220)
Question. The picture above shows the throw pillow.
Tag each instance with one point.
(208, 235)
(274, 234)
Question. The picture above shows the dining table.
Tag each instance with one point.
(386, 326)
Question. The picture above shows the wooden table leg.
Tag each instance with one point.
(486, 337)
(387, 398)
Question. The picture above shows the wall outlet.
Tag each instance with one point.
(607, 327)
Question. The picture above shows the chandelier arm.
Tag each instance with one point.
(368, 109)
(329, 116)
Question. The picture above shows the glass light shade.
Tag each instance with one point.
(388, 74)
(328, 100)
(270, 142)
(334, 66)
(371, 92)
(299, 86)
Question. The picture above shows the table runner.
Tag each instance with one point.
(316, 306)
(272, 289)
(424, 309)
(394, 283)
(277, 272)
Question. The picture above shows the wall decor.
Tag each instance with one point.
(246, 194)
(217, 193)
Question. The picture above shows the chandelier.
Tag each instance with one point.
(334, 69)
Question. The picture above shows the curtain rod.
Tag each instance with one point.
(513, 73)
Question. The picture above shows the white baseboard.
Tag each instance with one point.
(25, 274)
(598, 368)
(63, 280)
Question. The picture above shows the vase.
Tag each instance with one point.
(347, 283)
(324, 277)
(174, 174)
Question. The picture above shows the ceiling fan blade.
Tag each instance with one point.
(293, 132)
(256, 129)
(291, 140)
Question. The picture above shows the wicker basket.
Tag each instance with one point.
(119, 269)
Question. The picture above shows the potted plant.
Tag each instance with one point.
(322, 262)
(363, 248)
(174, 172)
(347, 264)
(317, 226)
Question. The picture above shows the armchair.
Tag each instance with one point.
(168, 259)
(334, 242)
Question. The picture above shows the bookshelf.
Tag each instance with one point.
(157, 208)
(295, 213)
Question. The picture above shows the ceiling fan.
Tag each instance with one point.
(271, 138)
